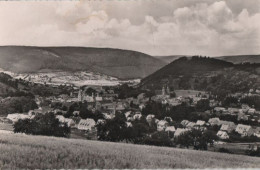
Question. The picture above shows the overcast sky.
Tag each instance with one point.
(155, 27)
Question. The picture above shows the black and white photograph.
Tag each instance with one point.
(129, 84)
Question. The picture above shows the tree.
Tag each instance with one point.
(114, 129)
(46, 124)
(158, 139)
(197, 139)
(184, 140)
(202, 105)
(230, 101)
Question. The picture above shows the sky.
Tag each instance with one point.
(155, 27)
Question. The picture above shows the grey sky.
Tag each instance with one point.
(156, 27)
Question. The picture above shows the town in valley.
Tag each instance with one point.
(133, 112)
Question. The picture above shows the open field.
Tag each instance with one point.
(22, 151)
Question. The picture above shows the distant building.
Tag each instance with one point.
(170, 129)
(244, 130)
(214, 121)
(149, 118)
(162, 125)
(227, 128)
(137, 116)
(251, 111)
(219, 109)
(200, 123)
(222, 135)
(86, 124)
(180, 131)
(242, 116)
(16, 116)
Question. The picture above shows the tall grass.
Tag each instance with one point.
(22, 151)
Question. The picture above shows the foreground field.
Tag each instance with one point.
(22, 151)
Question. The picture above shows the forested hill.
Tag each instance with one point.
(188, 66)
(204, 73)
(123, 64)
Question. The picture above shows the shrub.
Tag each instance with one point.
(46, 125)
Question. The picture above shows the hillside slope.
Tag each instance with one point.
(241, 58)
(200, 73)
(21, 152)
(123, 64)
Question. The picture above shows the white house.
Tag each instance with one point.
(129, 124)
(214, 121)
(219, 109)
(184, 122)
(227, 128)
(127, 114)
(162, 125)
(137, 116)
(150, 117)
(70, 122)
(200, 123)
(16, 116)
(251, 111)
(180, 131)
(222, 134)
(190, 125)
(170, 129)
(61, 118)
(244, 130)
(86, 124)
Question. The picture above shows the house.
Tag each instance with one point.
(108, 116)
(16, 116)
(129, 124)
(86, 124)
(245, 108)
(168, 119)
(184, 123)
(127, 114)
(170, 129)
(35, 111)
(222, 134)
(219, 109)
(242, 116)
(75, 113)
(200, 123)
(214, 121)
(227, 128)
(244, 130)
(251, 111)
(149, 118)
(137, 116)
(223, 122)
(60, 118)
(233, 110)
(180, 131)
(190, 125)
(141, 96)
(162, 125)
(141, 106)
(101, 121)
(69, 122)
(257, 132)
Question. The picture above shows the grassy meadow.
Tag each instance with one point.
(23, 151)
